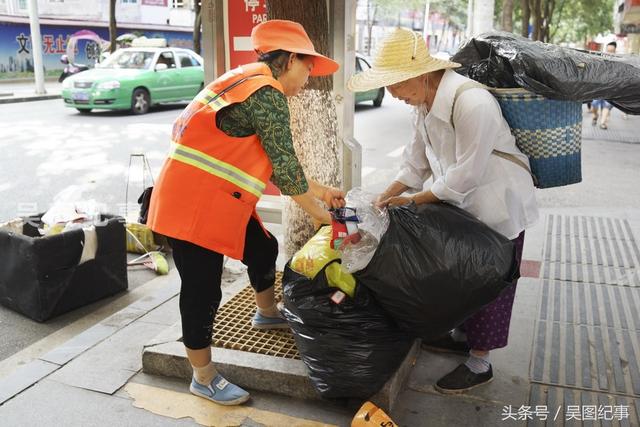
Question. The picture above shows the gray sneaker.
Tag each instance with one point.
(220, 391)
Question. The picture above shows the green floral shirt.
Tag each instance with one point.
(266, 114)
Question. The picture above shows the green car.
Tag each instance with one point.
(374, 95)
(136, 78)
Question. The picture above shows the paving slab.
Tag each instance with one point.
(166, 314)
(57, 404)
(24, 378)
(79, 344)
(419, 409)
(109, 365)
(527, 300)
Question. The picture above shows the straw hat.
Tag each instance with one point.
(402, 55)
(278, 34)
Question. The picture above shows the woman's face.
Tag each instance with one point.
(296, 74)
(412, 91)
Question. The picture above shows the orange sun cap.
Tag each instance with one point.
(290, 36)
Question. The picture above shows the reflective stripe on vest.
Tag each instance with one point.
(216, 167)
(205, 97)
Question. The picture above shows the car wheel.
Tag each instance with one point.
(84, 110)
(378, 101)
(140, 101)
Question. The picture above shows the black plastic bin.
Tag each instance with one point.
(40, 276)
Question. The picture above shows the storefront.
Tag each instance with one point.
(630, 24)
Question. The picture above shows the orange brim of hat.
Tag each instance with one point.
(322, 66)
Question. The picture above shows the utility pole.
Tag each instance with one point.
(36, 47)
(425, 26)
(470, 18)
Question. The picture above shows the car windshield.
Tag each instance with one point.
(137, 59)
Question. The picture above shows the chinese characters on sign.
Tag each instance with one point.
(571, 412)
(54, 46)
(22, 41)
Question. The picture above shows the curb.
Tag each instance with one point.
(28, 98)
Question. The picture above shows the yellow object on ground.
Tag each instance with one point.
(178, 405)
(154, 260)
(317, 253)
(370, 415)
(140, 238)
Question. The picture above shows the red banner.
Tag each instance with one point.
(242, 16)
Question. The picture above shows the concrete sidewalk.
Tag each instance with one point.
(21, 91)
(574, 341)
(573, 356)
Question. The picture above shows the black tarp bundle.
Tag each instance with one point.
(350, 348)
(436, 266)
(506, 60)
(40, 276)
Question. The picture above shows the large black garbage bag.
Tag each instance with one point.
(436, 266)
(505, 60)
(350, 349)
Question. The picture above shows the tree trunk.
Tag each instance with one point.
(314, 122)
(537, 19)
(112, 25)
(549, 10)
(197, 26)
(526, 17)
(371, 19)
(507, 15)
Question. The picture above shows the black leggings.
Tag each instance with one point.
(201, 272)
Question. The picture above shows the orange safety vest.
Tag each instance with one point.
(211, 182)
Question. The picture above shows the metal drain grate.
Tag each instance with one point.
(587, 357)
(591, 249)
(591, 240)
(590, 304)
(233, 329)
(572, 407)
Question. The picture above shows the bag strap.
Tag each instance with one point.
(507, 156)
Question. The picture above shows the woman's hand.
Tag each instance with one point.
(394, 201)
(333, 197)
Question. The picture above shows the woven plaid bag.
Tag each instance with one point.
(548, 131)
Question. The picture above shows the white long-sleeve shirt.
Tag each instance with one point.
(465, 173)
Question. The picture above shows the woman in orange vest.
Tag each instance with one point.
(226, 145)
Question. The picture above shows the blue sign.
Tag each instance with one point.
(16, 58)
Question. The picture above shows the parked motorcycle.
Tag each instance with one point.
(70, 68)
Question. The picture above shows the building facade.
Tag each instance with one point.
(628, 23)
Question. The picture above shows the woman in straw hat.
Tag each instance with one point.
(227, 144)
(458, 130)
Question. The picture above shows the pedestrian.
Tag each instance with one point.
(226, 145)
(601, 104)
(466, 146)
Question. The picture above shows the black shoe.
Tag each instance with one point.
(462, 379)
(447, 344)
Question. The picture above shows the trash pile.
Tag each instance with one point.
(505, 60)
(411, 273)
